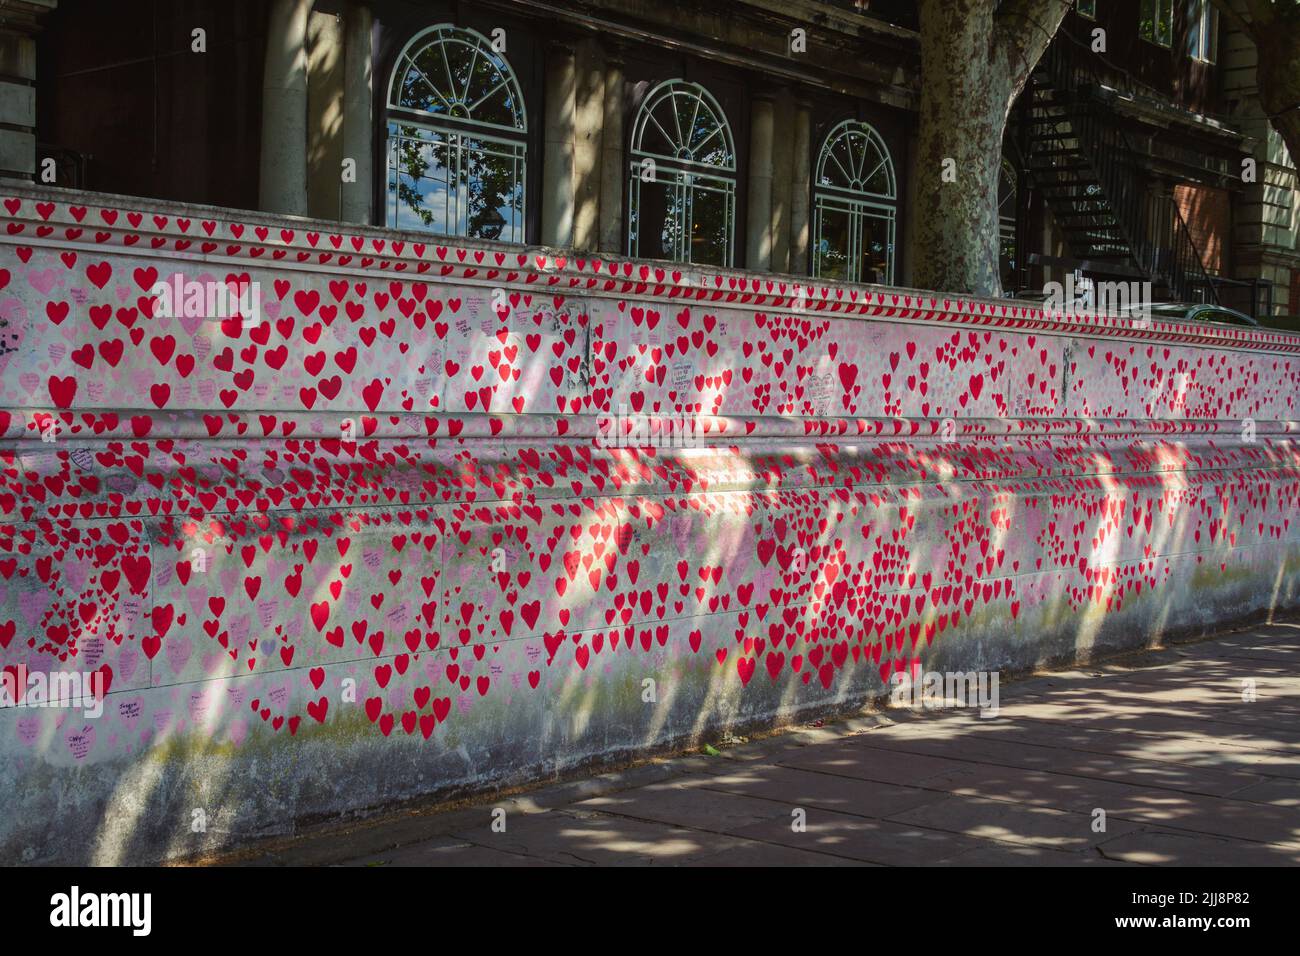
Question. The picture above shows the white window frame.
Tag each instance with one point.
(853, 199)
(456, 133)
(1204, 45)
(1158, 13)
(685, 172)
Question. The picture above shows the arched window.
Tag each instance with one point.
(682, 185)
(856, 196)
(457, 132)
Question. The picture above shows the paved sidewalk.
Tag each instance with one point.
(1185, 770)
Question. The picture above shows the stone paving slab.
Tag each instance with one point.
(1009, 854)
(689, 804)
(853, 760)
(1026, 756)
(1187, 772)
(1186, 749)
(882, 842)
(446, 851)
(752, 853)
(1234, 817)
(1156, 722)
(1008, 822)
(801, 788)
(579, 837)
(1155, 847)
(1275, 792)
(1227, 711)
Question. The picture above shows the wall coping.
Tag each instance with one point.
(226, 238)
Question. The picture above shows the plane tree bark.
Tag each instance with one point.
(976, 57)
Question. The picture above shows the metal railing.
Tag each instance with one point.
(1188, 277)
(1152, 226)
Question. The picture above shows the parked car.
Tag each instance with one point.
(1196, 312)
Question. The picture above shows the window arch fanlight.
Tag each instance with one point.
(682, 182)
(457, 138)
(855, 200)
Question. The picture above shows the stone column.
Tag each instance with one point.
(325, 66)
(759, 221)
(613, 163)
(558, 148)
(589, 111)
(782, 185)
(282, 183)
(801, 188)
(18, 24)
(358, 124)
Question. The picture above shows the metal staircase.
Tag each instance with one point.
(1080, 161)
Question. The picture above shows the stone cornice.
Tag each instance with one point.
(234, 239)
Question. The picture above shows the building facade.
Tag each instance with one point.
(393, 503)
(762, 135)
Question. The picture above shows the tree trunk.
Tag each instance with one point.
(974, 62)
(964, 103)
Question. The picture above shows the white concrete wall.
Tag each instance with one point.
(384, 543)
